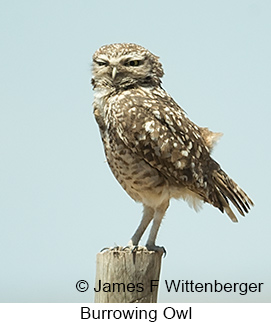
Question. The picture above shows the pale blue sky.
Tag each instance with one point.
(59, 202)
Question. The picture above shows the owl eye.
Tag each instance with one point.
(101, 63)
(135, 62)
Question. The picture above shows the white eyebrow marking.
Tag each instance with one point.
(102, 57)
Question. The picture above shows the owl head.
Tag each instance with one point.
(123, 66)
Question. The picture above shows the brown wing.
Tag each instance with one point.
(155, 128)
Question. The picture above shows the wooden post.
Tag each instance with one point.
(123, 276)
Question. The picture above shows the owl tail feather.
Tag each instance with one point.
(228, 189)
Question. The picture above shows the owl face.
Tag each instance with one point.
(123, 66)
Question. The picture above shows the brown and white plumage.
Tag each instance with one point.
(153, 149)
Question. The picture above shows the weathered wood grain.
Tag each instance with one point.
(123, 276)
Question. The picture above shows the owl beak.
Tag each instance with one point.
(114, 72)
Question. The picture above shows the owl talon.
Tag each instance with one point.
(135, 248)
(105, 248)
(116, 248)
(126, 247)
(157, 249)
(139, 248)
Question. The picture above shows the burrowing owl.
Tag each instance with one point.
(153, 149)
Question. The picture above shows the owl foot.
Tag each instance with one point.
(157, 249)
(139, 248)
(146, 249)
(116, 249)
(135, 248)
(129, 247)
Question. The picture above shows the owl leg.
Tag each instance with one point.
(158, 216)
(146, 219)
